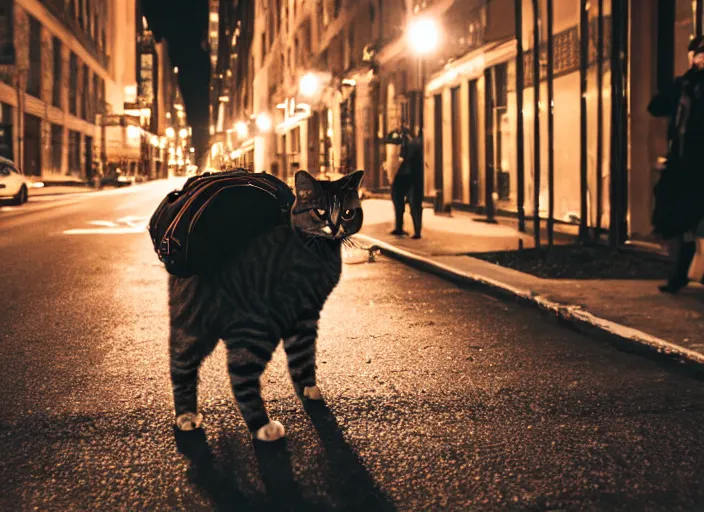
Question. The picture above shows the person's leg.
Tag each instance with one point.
(682, 251)
(398, 196)
(416, 200)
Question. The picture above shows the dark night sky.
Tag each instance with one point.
(184, 25)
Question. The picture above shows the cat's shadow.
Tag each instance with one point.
(275, 469)
(349, 478)
(352, 486)
(220, 487)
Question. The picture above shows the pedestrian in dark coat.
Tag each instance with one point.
(407, 186)
(679, 205)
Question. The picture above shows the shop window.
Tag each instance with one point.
(34, 79)
(58, 74)
(57, 144)
(73, 84)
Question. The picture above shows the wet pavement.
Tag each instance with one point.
(436, 397)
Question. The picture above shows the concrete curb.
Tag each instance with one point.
(574, 316)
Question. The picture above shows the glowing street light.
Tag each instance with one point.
(170, 132)
(309, 84)
(264, 122)
(183, 133)
(242, 130)
(423, 35)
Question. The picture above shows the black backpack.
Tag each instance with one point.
(198, 227)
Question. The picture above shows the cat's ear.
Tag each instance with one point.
(354, 180)
(306, 185)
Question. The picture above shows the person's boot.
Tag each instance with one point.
(679, 278)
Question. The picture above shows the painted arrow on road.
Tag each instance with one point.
(122, 226)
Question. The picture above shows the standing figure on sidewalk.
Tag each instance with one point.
(407, 186)
(679, 205)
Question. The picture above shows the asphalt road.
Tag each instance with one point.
(437, 398)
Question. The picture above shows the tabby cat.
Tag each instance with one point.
(273, 288)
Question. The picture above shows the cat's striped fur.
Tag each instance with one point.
(272, 289)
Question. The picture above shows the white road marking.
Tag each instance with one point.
(123, 226)
(103, 231)
(104, 223)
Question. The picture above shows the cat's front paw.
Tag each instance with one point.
(312, 393)
(272, 431)
(189, 421)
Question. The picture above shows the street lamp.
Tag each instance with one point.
(264, 122)
(309, 84)
(170, 132)
(183, 133)
(242, 130)
(423, 35)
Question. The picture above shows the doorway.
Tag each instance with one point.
(89, 158)
(456, 146)
(32, 146)
(489, 142)
(473, 144)
(439, 181)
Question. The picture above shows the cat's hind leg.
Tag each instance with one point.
(248, 353)
(187, 352)
(300, 353)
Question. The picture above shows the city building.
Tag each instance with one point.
(230, 39)
(318, 84)
(602, 161)
(80, 88)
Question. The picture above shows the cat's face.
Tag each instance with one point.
(328, 209)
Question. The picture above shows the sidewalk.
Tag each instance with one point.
(58, 185)
(56, 190)
(631, 309)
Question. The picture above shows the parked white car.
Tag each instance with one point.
(13, 184)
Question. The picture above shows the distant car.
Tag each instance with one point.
(116, 179)
(13, 184)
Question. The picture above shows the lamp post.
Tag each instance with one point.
(424, 38)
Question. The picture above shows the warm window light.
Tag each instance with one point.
(170, 132)
(183, 133)
(309, 84)
(264, 122)
(423, 35)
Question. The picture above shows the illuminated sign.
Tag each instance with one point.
(146, 78)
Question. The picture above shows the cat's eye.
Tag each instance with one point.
(320, 213)
(348, 214)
